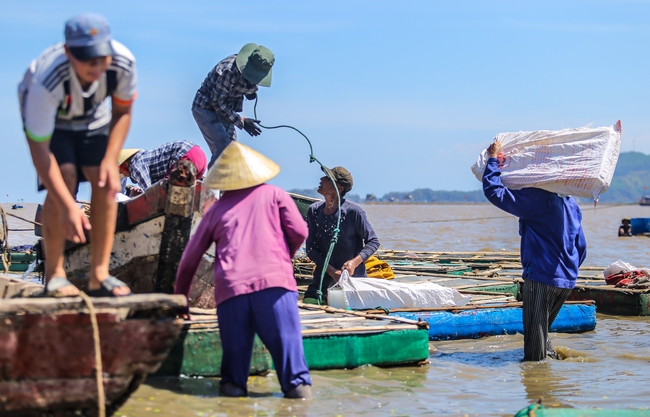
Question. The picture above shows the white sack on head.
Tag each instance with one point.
(364, 293)
(579, 162)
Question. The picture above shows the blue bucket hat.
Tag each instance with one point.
(255, 62)
(88, 36)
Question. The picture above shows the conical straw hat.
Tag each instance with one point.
(240, 167)
(126, 154)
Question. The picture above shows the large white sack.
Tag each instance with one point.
(579, 162)
(363, 293)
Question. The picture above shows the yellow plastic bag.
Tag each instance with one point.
(377, 268)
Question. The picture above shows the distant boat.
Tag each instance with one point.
(645, 200)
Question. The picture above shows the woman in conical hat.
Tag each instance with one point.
(256, 229)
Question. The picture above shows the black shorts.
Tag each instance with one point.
(82, 149)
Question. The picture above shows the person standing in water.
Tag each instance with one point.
(553, 246)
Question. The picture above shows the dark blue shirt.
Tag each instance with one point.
(356, 237)
(553, 245)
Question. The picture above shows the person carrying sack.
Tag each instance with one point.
(553, 246)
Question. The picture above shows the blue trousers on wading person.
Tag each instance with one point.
(256, 229)
(553, 247)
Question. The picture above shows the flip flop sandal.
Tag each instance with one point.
(53, 287)
(107, 287)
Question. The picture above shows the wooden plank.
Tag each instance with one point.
(134, 302)
(331, 320)
(358, 313)
(314, 332)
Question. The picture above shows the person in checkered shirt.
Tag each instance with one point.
(222, 93)
(146, 167)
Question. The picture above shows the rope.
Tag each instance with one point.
(5, 241)
(461, 220)
(101, 402)
(505, 217)
(335, 236)
(25, 220)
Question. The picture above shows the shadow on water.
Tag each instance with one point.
(205, 387)
(482, 359)
(540, 382)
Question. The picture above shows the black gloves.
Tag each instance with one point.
(251, 128)
(251, 96)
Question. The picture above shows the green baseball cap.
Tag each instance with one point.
(255, 62)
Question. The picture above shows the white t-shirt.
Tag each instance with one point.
(51, 96)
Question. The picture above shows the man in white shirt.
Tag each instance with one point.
(75, 101)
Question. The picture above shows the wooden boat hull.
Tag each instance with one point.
(151, 233)
(47, 357)
(481, 322)
(303, 202)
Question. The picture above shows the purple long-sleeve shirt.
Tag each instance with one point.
(256, 232)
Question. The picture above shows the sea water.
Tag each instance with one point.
(605, 368)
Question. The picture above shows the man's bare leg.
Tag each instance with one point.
(53, 235)
(103, 214)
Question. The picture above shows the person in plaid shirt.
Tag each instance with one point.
(222, 93)
(146, 167)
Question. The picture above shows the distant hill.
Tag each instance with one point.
(631, 181)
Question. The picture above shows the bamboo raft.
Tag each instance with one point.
(332, 339)
(473, 273)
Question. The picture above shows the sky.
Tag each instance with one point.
(405, 94)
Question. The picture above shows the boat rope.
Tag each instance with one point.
(4, 241)
(335, 235)
(461, 220)
(101, 402)
(25, 220)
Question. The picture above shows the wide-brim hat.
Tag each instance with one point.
(255, 62)
(126, 154)
(239, 167)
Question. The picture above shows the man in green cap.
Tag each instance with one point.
(222, 93)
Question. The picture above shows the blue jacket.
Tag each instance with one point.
(553, 245)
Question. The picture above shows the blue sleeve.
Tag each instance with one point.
(513, 202)
(581, 241)
(369, 237)
(311, 248)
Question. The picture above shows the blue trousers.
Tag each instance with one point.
(216, 133)
(273, 315)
